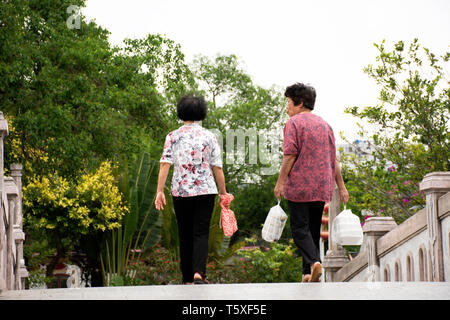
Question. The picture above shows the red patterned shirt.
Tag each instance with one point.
(312, 176)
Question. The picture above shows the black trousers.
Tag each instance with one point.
(306, 219)
(193, 219)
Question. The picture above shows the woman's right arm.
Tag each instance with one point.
(160, 200)
(343, 193)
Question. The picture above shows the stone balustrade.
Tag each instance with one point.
(416, 250)
(12, 265)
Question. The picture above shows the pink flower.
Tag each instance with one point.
(405, 200)
(196, 154)
(365, 218)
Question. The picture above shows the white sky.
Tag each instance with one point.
(326, 43)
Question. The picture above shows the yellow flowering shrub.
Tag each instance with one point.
(19, 152)
(94, 203)
(99, 202)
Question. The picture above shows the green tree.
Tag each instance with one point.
(74, 101)
(410, 129)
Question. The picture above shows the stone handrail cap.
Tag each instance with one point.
(16, 166)
(3, 125)
(10, 186)
(436, 182)
(18, 235)
(379, 225)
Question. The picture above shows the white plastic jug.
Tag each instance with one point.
(274, 224)
(346, 229)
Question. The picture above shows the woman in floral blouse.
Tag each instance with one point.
(195, 154)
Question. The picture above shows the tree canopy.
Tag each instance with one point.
(410, 129)
(76, 100)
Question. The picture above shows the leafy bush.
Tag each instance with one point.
(140, 228)
(91, 205)
(36, 279)
(72, 215)
(277, 264)
(221, 272)
(160, 266)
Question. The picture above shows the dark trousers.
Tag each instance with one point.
(193, 219)
(306, 219)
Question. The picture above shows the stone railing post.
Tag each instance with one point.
(4, 131)
(11, 196)
(374, 228)
(16, 174)
(335, 257)
(434, 185)
(19, 236)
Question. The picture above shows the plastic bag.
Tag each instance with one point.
(346, 229)
(274, 224)
(227, 221)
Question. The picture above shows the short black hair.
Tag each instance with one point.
(192, 107)
(300, 92)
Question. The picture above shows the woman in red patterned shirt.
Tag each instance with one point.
(307, 175)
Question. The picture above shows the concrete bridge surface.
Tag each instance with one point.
(251, 291)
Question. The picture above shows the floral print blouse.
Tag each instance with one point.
(192, 150)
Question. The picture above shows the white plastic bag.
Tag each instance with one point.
(346, 229)
(274, 224)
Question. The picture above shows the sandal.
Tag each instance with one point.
(316, 272)
(201, 280)
(306, 277)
